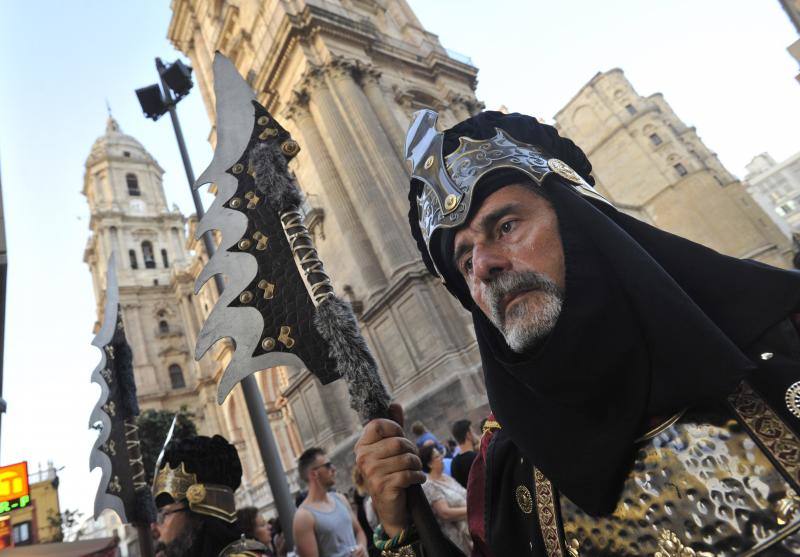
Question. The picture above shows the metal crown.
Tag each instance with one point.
(449, 182)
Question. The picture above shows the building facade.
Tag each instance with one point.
(37, 522)
(776, 187)
(156, 270)
(344, 77)
(792, 9)
(650, 163)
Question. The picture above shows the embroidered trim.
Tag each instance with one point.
(778, 440)
(524, 499)
(548, 519)
(793, 399)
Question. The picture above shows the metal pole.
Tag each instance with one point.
(278, 483)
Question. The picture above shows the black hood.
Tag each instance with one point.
(651, 323)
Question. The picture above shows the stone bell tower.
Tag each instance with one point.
(156, 269)
(129, 215)
(344, 77)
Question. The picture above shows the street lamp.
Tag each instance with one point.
(156, 101)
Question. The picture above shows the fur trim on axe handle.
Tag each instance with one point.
(336, 323)
(334, 318)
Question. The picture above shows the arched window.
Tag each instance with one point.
(133, 185)
(163, 326)
(147, 255)
(132, 255)
(176, 377)
(164, 258)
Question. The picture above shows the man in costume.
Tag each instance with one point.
(193, 489)
(644, 388)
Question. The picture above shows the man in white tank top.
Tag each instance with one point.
(324, 525)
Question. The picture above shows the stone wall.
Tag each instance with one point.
(649, 162)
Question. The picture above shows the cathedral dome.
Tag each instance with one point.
(115, 144)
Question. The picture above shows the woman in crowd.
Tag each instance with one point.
(447, 497)
(255, 527)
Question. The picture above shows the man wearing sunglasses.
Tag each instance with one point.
(325, 525)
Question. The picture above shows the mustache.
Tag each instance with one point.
(515, 282)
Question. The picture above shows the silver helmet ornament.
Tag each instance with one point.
(449, 182)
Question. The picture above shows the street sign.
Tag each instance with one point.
(14, 490)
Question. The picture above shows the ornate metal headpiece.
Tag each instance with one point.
(449, 182)
(208, 499)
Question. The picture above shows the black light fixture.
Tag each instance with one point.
(178, 77)
(152, 101)
(175, 79)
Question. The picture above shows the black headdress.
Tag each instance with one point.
(204, 472)
(651, 323)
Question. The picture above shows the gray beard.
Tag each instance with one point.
(523, 326)
(181, 546)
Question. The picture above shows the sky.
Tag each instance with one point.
(722, 65)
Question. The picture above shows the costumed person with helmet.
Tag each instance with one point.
(644, 389)
(193, 489)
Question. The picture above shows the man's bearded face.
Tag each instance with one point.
(526, 319)
(511, 257)
(174, 531)
(180, 546)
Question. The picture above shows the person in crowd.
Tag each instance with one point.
(193, 491)
(447, 498)
(467, 443)
(278, 539)
(423, 436)
(256, 527)
(324, 525)
(620, 361)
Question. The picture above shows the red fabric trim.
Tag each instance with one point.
(795, 317)
(476, 498)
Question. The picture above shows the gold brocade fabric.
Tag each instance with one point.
(701, 487)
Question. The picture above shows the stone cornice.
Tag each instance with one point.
(121, 217)
(314, 20)
(180, 26)
(297, 105)
(339, 67)
(471, 104)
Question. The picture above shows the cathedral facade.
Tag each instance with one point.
(344, 77)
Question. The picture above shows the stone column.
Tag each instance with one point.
(177, 247)
(338, 201)
(389, 176)
(137, 328)
(189, 328)
(363, 188)
(370, 80)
